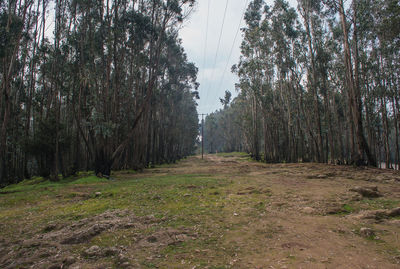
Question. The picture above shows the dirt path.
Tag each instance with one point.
(221, 212)
(305, 216)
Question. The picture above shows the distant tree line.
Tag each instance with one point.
(93, 85)
(317, 83)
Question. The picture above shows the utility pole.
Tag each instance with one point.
(202, 136)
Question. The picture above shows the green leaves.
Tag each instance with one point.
(10, 29)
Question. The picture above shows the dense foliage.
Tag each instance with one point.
(320, 83)
(93, 85)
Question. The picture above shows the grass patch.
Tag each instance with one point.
(369, 204)
(38, 183)
(348, 209)
(89, 180)
(232, 154)
(226, 213)
(32, 181)
(380, 203)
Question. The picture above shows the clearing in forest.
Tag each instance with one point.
(225, 211)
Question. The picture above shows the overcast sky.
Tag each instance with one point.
(215, 75)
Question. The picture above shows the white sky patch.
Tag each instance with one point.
(213, 81)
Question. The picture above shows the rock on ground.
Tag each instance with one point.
(368, 192)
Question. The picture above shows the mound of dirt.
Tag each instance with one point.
(167, 237)
(368, 192)
(378, 215)
(56, 238)
(252, 190)
(85, 229)
(367, 232)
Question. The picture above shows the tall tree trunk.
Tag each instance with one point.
(354, 89)
(256, 154)
(385, 131)
(396, 129)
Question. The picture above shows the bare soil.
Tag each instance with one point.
(221, 212)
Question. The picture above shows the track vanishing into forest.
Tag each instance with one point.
(225, 211)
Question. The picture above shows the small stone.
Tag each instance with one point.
(334, 208)
(308, 210)
(93, 251)
(187, 195)
(69, 260)
(368, 192)
(128, 225)
(125, 265)
(110, 251)
(50, 227)
(235, 214)
(377, 215)
(97, 194)
(30, 243)
(367, 232)
(395, 222)
(394, 212)
(122, 258)
(102, 266)
(374, 188)
(356, 197)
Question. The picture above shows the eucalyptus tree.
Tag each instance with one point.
(310, 12)
(224, 130)
(264, 71)
(325, 88)
(249, 69)
(109, 88)
(353, 83)
(15, 21)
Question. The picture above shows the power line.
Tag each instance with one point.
(219, 42)
(233, 45)
(205, 43)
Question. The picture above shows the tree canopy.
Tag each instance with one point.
(316, 83)
(93, 85)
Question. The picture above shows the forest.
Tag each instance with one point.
(319, 82)
(99, 130)
(93, 85)
(102, 85)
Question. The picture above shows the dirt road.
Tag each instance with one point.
(221, 212)
(306, 216)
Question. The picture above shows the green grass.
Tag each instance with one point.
(39, 183)
(186, 200)
(175, 195)
(348, 209)
(345, 210)
(232, 154)
(89, 180)
(380, 203)
(32, 181)
(369, 204)
(202, 203)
